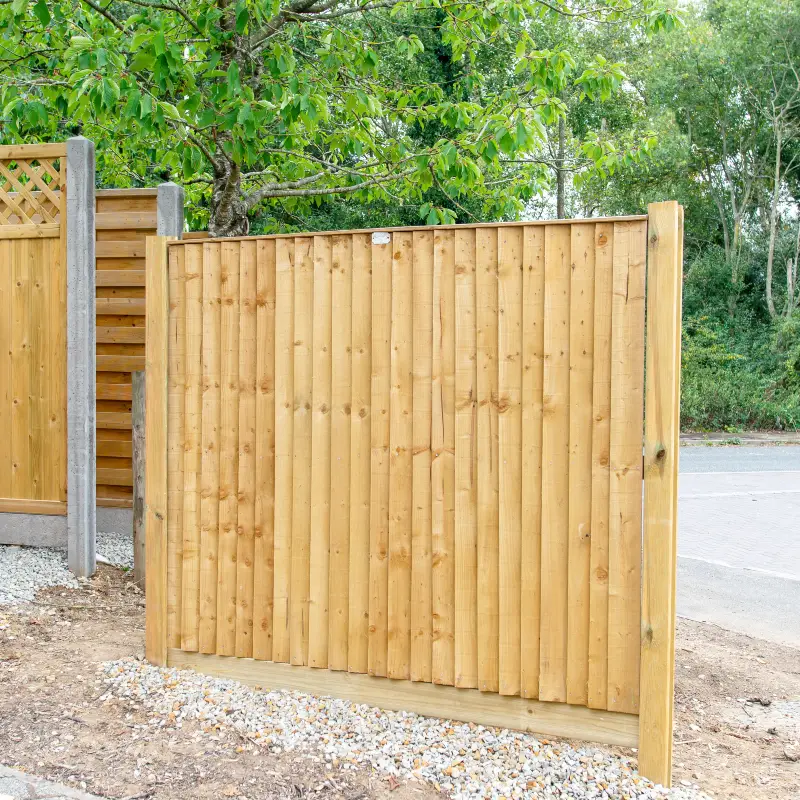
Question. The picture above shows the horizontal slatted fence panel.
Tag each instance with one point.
(125, 217)
(413, 454)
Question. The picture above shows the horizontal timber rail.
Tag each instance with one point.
(404, 466)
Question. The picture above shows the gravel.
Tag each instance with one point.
(26, 570)
(465, 760)
(116, 548)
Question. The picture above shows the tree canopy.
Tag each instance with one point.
(290, 102)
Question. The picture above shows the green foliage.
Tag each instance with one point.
(288, 103)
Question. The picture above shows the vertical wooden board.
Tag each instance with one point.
(320, 458)
(40, 266)
(20, 369)
(488, 471)
(661, 449)
(466, 408)
(57, 353)
(284, 437)
(263, 551)
(209, 481)
(581, 348)
(358, 624)
(509, 382)
(625, 500)
(379, 445)
(6, 333)
(156, 437)
(400, 433)
(555, 466)
(192, 409)
(443, 464)
(601, 421)
(176, 387)
(301, 466)
(341, 400)
(531, 533)
(228, 449)
(245, 544)
(421, 625)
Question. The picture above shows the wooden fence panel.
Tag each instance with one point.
(33, 320)
(418, 455)
(125, 218)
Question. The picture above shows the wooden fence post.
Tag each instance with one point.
(156, 440)
(661, 442)
(138, 425)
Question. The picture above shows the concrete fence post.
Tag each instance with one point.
(169, 220)
(81, 444)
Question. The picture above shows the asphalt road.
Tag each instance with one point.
(739, 539)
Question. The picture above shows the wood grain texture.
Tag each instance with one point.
(466, 466)
(156, 466)
(321, 457)
(555, 466)
(176, 387)
(533, 277)
(581, 348)
(360, 460)
(421, 623)
(284, 422)
(301, 466)
(443, 464)
(400, 472)
(509, 387)
(341, 403)
(625, 501)
(209, 479)
(264, 523)
(228, 449)
(380, 438)
(601, 422)
(192, 405)
(245, 542)
(488, 470)
(661, 448)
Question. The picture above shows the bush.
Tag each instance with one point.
(749, 383)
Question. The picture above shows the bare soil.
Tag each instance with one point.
(737, 720)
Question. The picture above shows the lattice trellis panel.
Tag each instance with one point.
(30, 190)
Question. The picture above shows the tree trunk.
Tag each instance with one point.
(228, 207)
(561, 178)
(773, 222)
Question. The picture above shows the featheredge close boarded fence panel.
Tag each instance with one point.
(413, 458)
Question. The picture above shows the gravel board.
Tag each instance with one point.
(465, 760)
(26, 570)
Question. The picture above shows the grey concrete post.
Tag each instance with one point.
(81, 446)
(170, 210)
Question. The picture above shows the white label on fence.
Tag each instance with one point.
(381, 237)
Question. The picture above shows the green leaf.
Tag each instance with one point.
(242, 17)
(42, 12)
(143, 60)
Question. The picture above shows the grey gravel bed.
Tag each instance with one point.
(26, 570)
(468, 761)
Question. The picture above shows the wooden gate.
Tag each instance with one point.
(33, 321)
(405, 467)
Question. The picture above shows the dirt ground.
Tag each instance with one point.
(737, 715)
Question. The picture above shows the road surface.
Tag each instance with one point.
(739, 539)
